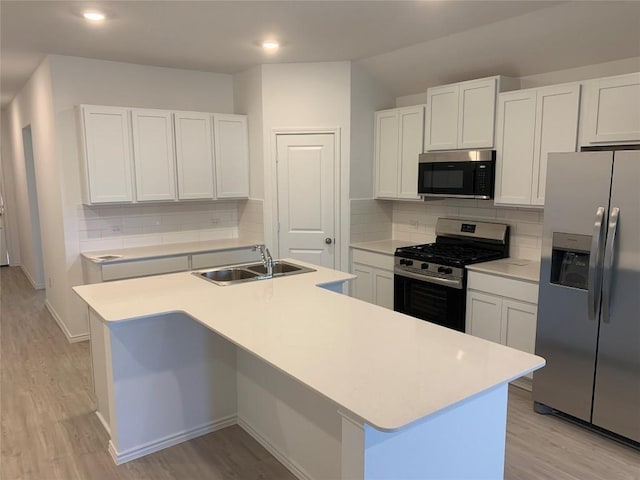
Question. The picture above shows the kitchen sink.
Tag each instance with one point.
(279, 268)
(248, 273)
(228, 275)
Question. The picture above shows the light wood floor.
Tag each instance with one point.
(49, 430)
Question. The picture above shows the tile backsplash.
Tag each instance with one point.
(371, 220)
(416, 221)
(250, 219)
(110, 227)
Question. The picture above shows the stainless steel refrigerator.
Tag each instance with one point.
(589, 300)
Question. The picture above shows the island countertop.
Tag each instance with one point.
(384, 367)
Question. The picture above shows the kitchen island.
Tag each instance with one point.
(332, 386)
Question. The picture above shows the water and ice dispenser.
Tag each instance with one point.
(570, 260)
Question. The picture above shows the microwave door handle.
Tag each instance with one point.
(609, 255)
(595, 257)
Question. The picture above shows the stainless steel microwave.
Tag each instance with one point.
(457, 174)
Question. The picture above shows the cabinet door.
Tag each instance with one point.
(194, 155)
(411, 140)
(383, 288)
(386, 154)
(362, 286)
(557, 114)
(515, 147)
(519, 321)
(614, 109)
(441, 124)
(153, 155)
(484, 316)
(107, 154)
(232, 156)
(476, 114)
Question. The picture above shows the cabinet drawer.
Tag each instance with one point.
(157, 266)
(226, 257)
(379, 260)
(505, 287)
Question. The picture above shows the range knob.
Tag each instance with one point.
(424, 266)
(445, 270)
(406, 262)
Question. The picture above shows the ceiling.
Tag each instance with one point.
(408, 45)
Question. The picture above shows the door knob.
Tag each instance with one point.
(328, 241)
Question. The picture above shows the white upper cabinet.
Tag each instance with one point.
(462, 115)
(399, 138)
(514, 148)
(154, 157)
(477, 103)
(557, 114)
(441, 126)
(531, 123)
(231, 155)
(411, 121)
(162, 155)
(612, 110)
(194, 155)
(386, 153)
(106, 144)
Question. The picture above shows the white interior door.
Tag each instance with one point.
(305, 166)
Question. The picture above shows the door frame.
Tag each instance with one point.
(341, 210)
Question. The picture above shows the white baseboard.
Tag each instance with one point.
(169, 441)
(70, 338)
(103, 422)
(36, 285)
(292, 466)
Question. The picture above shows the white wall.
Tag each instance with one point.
(367, 96)
(607, 69)
(34, 106)
(8, 187)
(76, 81)
(47, 102)
(311, 96)
(247, 97)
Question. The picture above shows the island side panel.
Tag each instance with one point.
(98, 334)
(171, 380)
(466, 440)
(297, 425)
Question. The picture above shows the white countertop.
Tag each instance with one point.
(382, 246)
(168, 250)
(387, 368)
(517, 268)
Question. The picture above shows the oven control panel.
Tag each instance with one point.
(427, 268)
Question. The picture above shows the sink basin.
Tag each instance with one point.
(226, 276)
(247, 273)
(279, 268)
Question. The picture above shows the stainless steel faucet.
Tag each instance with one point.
(267, 260)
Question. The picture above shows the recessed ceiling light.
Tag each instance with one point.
(270, 45)
(94, 16)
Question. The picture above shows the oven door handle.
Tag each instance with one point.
(429, 279)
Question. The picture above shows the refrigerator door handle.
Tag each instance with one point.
(595, 260)
(608, 263)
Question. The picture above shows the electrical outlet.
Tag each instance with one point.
(214, 221)
(115, 228)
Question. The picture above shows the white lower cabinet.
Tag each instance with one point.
(503, 310)
(374, 282)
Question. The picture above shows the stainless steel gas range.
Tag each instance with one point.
(430, 280)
